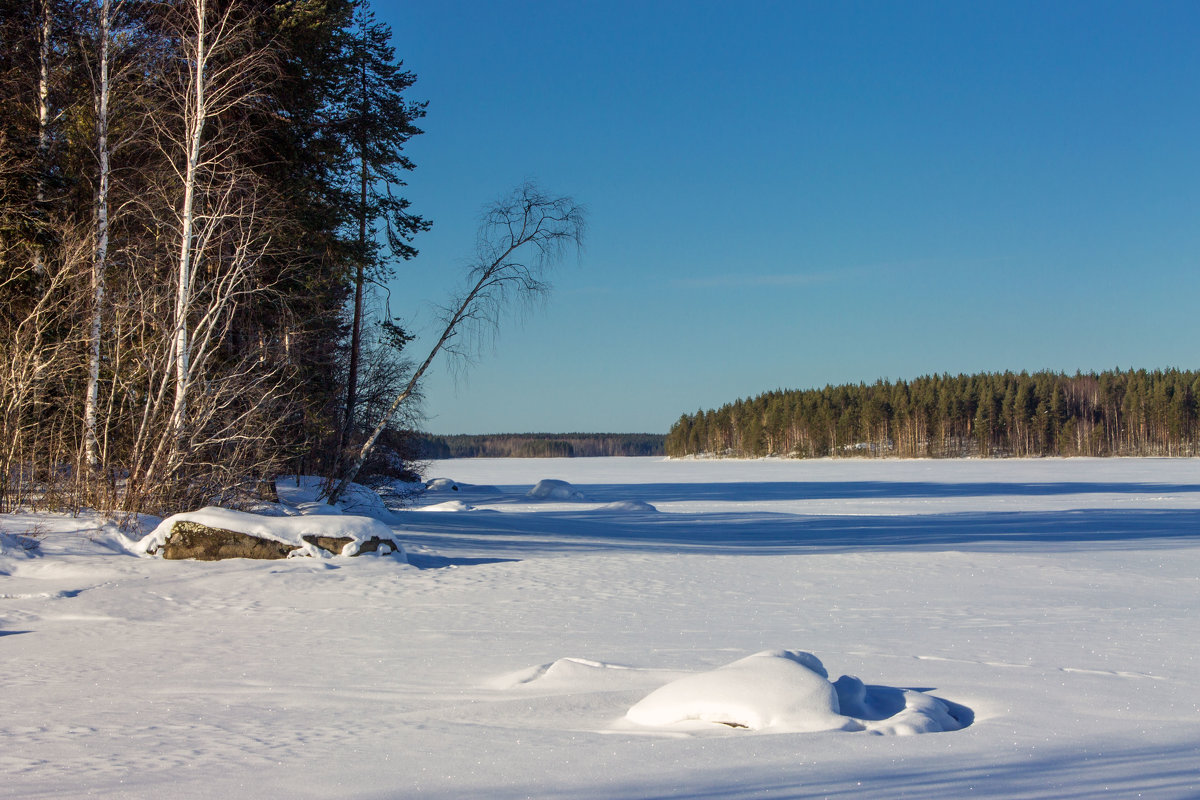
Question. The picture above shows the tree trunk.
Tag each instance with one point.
(359, 276)
(43, 116)
(195, 123)
(99, 263)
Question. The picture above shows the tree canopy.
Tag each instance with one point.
(1118, 412)
(182, 230)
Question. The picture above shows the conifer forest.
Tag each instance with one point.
(1112, 413)
(542, 445)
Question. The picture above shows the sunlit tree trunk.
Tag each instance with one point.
(100, 261)
(195, 118)
(43, 117)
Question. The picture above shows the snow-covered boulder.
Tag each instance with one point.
(550, 489)
(212, 534)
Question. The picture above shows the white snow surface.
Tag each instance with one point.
(1045, 607)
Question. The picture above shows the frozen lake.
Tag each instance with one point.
(1048, 606)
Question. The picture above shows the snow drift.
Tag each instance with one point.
(550, 489)
(789, 691)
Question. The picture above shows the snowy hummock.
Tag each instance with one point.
(785, 691)
(553, 489)
(288, 530)
(629, 506)
(449, 505)
(305, 494)
(782, 689)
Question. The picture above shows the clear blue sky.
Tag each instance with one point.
(793, 194)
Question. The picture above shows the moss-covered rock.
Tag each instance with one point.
(194, 540)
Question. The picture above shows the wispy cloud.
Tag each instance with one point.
(744, 281)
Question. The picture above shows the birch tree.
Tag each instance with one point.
(221, 222)
(520, 238)
(43, 116)
(216, 84)
(100, 258)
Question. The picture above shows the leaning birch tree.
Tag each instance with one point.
(520, 238)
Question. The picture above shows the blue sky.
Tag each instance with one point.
(793, 194)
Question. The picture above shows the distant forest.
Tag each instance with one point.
(542, 445)
(1116, 413)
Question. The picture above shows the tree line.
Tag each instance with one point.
(1112, 413)
(198, 199)
(541, 445)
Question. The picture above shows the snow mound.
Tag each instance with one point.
(14, 545)
(629, 506)
(304, 495)
(778, 689)
(449, 505)
(288, 530)
(566, 673)
(441, 485)
(550, 489)
(884, 710)
(789, 691)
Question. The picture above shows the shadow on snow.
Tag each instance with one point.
(763, 491)
(764, 533)
(1062, 773)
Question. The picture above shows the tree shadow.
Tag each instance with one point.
(763, 533)
(1077, 772)
(426, 561)
(765, 491)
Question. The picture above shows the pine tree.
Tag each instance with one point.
(376, 122)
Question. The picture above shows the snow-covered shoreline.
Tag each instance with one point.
(1054, 600)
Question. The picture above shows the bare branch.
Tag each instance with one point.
(520, 238)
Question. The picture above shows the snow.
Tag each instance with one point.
(782, 689)
(1048, 607)
(552, 489)
(303, 494)
(790, 691)
(629, 506)
(449, 505)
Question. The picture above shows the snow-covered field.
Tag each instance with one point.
(1049, 609)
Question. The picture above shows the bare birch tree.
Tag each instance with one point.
(221, 222)
(100, 258)
(39, 333)
(43, 116)
(520, 237)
